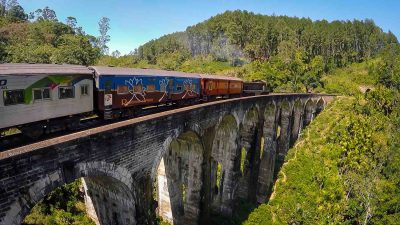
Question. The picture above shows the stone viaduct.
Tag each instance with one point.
(183, 165)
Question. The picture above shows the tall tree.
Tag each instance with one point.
(17, 14)
(46, 14)
(11, 3)
(116, 54)
(3, 7)
(71, 22)
(104, 38)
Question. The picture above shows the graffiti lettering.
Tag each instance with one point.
(124, 102)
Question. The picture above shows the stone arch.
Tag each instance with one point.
(320, 106)
(297, 116)
(109, 173)
(308, 112)
(268, 156)
(224, 165)
(179, 179)
(249, 153)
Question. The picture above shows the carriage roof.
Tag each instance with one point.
(40, 69)
(102, 70)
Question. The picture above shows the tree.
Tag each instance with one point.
(71, 22)
(10, 4)
(104, 38)
(312, 78)
(46, 14)
(3, 7)
(116, 54)
(17, 14)
(75, 49)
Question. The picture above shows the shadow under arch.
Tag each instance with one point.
(284, 123)
(224, 165)
(297, 123)
(179, 179)
(269, 154)
(309, 112)
(250, 145)
(320, 106)
(106, 175)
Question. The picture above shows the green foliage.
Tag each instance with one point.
(172, 61)
(160, 221)
(349, 80)
(219, 175)
(345, 169)
(234, 35)
(387, 68)
(74, 49)
(63, 206)
(44, 40)
(202, 64)
(243, 154)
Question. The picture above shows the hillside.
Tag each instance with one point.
(240, 35)
(292, 54)
(345, 168)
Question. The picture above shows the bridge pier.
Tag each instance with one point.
(180, 180)
(269, 152)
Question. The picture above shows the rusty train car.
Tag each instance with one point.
(38, 98)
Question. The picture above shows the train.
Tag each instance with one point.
(45, 98)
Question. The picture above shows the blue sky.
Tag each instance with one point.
(134, 22)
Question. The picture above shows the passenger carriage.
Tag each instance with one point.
(120, 91)
(34, 97)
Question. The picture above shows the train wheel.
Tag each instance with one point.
(33, 131)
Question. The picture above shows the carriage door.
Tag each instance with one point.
(108, 98)
(170, 89)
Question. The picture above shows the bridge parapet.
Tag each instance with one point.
(124, 159)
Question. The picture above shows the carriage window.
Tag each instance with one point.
(41, 93)
(122, 89)
(210, 86)
(37, 94)
(151, 87)
(85, 89)
(137, 88)
(46, 93)
(179, 87)
(13, 97)
(66, 92)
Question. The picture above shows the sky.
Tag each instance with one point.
(135, 22)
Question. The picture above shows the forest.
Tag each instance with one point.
(345, 168)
